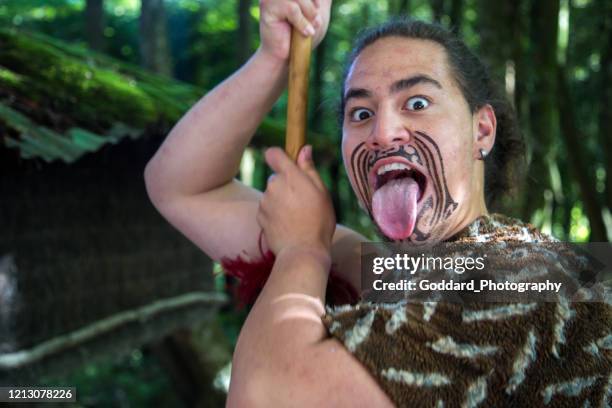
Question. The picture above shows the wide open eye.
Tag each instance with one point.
(417, 103)
(360, 114)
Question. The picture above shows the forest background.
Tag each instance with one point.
(553, 57)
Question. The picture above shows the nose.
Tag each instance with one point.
(389, 130)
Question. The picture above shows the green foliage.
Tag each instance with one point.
(135, 380)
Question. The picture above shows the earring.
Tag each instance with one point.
(483, 154)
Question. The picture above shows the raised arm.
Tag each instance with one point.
(190, 179)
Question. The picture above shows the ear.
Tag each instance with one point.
(485, 127)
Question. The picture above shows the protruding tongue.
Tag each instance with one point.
(395, 207)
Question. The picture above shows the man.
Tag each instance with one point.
(416, 131)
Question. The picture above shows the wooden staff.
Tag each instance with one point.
(297, 104)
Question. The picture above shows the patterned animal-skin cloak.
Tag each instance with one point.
(529, 354)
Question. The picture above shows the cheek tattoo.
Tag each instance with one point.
(360, 165)
(426, 156)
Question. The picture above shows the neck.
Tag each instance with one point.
(474, 208)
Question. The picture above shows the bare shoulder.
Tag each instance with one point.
(329, 376)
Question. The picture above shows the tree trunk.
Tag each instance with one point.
(398, 7)
(154, 45)
(403, 7)
(522, 72)
(543, 33)
(605, 115)
(498, 50)
(243, 47)
(495, 36)
(517, 17)
(94, 24)
(572, 137)
(456, 15)
(365, 15)
(437, 10)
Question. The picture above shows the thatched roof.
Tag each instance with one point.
(59, 101)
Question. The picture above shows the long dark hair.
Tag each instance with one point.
(506, 160)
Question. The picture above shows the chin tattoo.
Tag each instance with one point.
(436, 206)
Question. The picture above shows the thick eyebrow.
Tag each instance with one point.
(412, 81)
(397, 86)
(356, 93)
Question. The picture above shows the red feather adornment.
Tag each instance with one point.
(252, 275)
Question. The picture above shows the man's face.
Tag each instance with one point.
(408, 140)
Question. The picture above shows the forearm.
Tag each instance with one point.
(204, 148)
(284, 323)
(292, 301)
